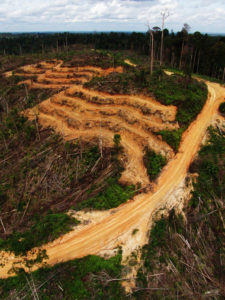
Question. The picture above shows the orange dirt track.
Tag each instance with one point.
(69, 113)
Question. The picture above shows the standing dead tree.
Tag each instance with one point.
(151, 47)
(165, 14)
(186, 28)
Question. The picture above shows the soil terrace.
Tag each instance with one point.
(77, 112)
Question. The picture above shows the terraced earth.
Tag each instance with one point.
(77, 112)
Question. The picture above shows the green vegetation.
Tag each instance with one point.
(135, 231)
(15, 124)
(187, 253)
(117, 140)
(43, 176)
(91, 277)
(172, 137)
(211, 168)
(134, 45)
(47, 174)
(187, 94)
(222, 108)
(157, 241)
(44, 230)
(154, 163)
(113, 195)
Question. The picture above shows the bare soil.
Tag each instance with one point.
(77, 112)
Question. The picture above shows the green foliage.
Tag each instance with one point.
(92, 155)
(157, 240)
(173, 242)
(222, 108)
(77, 279)
(211, 168)
(117, 140)
(14, 124)
(113, 195)
(186, 93)
(44, 230)
(140, 77)
(16, 79)
(135, 231)
(170, 90)
(154, 163)
(172, 138)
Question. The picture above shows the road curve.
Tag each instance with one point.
(94, 237)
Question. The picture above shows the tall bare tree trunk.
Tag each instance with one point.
(223, 74)
(66, 43)
(20, 50)
(181, 55)
(165, 15)
(42, 48)
(193, 66)
(161, 47)
(192, 50)
(172, 59)
(152, 52)
(198, 60)
(57, 46)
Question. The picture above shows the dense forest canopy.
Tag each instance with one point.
(200, 53)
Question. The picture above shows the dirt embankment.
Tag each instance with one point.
(80, 112)
(73, 115)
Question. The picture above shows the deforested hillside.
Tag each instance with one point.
(104, 193)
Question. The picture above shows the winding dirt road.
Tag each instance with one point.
(115, 226)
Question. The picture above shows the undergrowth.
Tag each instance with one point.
(184, 258)
(222, 108)
(180, 90)
(172, 137)
(113, 195)
(44, 230)
(154, 163)
(91, 277)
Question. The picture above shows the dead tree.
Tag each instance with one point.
(151, 48)
(165, 14)
(198, 61)
(186, 28)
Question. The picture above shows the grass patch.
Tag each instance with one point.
(113, 195)
(44, 230)
(187, 94)
(222, 108)
(87, 278)
(154, 163)
(172, 137)
(187, 255)
(211, 168)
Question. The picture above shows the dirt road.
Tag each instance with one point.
(115, 227)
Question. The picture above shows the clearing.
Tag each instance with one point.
(79, 112)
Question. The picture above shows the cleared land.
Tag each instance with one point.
(78, 112)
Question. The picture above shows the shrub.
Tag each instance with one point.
(117, 140)
(43, 231)
(222, 108)
(172, 138)
(113, 195)
(84, 278)
(154, 163)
